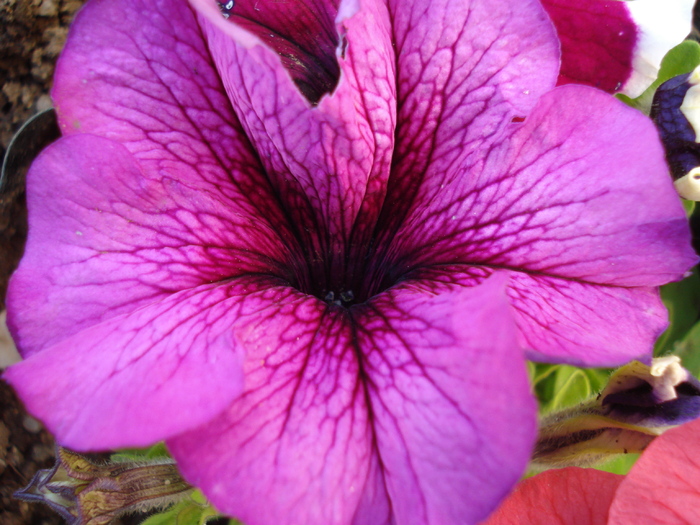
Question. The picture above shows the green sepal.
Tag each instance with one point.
(679, 60)
(688, 349)
(638, 403)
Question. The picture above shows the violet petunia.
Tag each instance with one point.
(306, 243)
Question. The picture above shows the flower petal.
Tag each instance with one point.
(661, 26)
(103, 246)
(465, 69)
(303, 34)
(402, 398)
(585, 324)
(329, 162)
(296, 446)
(581, 193)
(140, 377)
(140, 73)
(581, 190)
(569, 321)
(616, 45)
(570, 496)
(598, 39)
(447, 384)
(662, 487)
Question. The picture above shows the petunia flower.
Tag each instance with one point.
(661, 488)
(306, 243)
(676, 113)
(617, 45)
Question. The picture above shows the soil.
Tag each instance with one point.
(33, 32)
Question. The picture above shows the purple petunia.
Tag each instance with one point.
(310, 243)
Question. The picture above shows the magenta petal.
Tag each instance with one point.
(296, 446)
(140, 73)
(598, 38)
(402, 398)
(303, 34)
(570, 196)
(447, 387)
(142, 377)
(585, 324)
(568, 321)
(664, 485)
(570, 496)
(103, 246)
(329, 162)
(581, 190)
(465, 69)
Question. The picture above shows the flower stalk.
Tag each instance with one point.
(84, 492)
(639, 403)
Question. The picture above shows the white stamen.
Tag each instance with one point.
(688, 186)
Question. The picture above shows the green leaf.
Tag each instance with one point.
(688, 349)
(571, 386)
(188, 512)
(139, 454)
(620, 464)
(157, 451)
(559, 386)
(167, 517)
(683, 302)
(689, 207)
(542, 371)
(680, 60)
(191, 515)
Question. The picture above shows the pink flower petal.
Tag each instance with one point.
(401, 398)
(585, 324)
(101, 246)
(140, 73)
(145, 376)
(570, 496)
(443, 417)
(465, 69)
(300, 433)
(598, 38)
(663, 487)
(570, 194)
(302, 34)
(550, 203)
(329, 162)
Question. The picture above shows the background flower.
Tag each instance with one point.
(662, 487)
(617, 45)
(278, 256)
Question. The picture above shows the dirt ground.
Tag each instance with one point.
(33, 32)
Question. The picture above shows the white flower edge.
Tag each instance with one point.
(662, 24)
